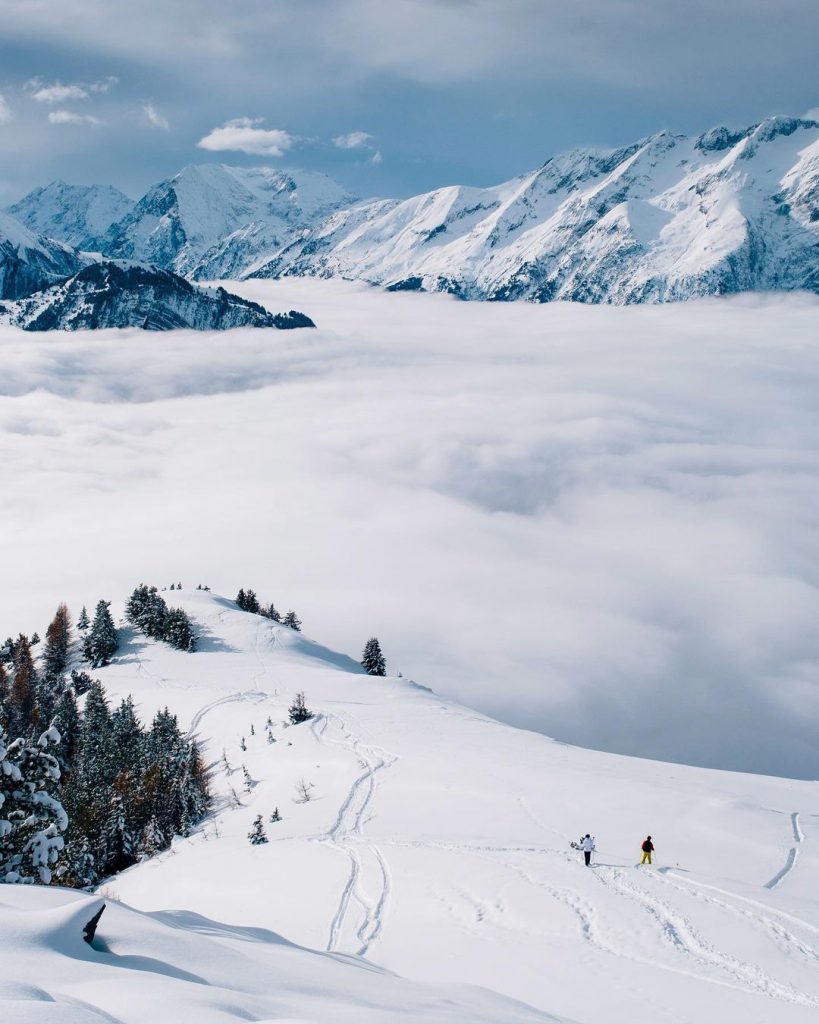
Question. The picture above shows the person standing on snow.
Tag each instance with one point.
(647, 848)
(587, 846)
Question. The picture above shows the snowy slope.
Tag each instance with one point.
(211, 220)
(437, 840)
(29, 261)
(175, 968)
(74, 214)
(665, 219)
(120, 294)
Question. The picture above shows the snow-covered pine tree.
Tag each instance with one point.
(298, 710)
(178, 631)
(118, 845)
(257, 834)
(270, 612)
(373, 659)
(275, 816)
(292, 620)
(35, 638)
(151, 842)
(83, 622)
(241, 600)
(102, 641)
(32, 819)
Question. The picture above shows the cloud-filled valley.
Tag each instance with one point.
(600, 523)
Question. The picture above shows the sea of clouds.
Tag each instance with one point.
(595, 522)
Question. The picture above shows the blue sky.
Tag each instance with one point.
(390, 97)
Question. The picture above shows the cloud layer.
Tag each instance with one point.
(599, 523)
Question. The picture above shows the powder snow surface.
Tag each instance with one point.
(436, 844)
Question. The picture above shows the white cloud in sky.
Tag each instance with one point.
(58, 93)
(566, 516)
(6, 113)
(153, 117)
(72, 117)
(61, 92)
(353, 140)
(244, 135)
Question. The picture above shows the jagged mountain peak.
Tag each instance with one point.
(73, 214)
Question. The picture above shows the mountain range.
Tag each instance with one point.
(668, 218)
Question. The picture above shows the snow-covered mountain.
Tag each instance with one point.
(665, 219)
(74, 214)
(435, 843)
(116, 294)
(212, 221)
(29, 261)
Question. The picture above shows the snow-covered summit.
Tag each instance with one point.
(435, 841)
(208, 219)
(667, 218)
(74, 214)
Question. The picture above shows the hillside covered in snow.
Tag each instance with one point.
(427, 839)
(667, 218)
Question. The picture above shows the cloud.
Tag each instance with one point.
(353, 140)
(6, 113)
(58, 93)
(599, 539)
(71, 117)
(362, 141)
(243, 135)
(153, 117)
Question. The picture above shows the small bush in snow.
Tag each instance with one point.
(298, 710)
(257, 834)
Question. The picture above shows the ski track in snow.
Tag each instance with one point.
(249, 696)
(677, 930)
(793, 854)
(346, 835)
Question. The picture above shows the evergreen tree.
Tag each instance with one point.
(67, 720)
(35, 638)
(57, 644)
(80, 681)
(146, 609)
(151, 841)
(241, 600)
(23, 692)
(82, 621)
(178, 630)
(32, 819)
(293, 621)
(373, 660)
(298, 710)
(270, 612)
(275, 816)
(102, 641)
(257, 834)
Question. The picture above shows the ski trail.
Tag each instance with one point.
(251, 696)
(346, 834)
(784, 939)
(793, 855)
(684, 938)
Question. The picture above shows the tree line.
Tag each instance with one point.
(85, 789)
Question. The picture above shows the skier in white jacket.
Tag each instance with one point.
(587, 846)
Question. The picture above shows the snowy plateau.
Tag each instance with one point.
(435, 848)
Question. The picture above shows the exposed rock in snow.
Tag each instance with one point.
(29, 262)
(74, 214)
(110, 294)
